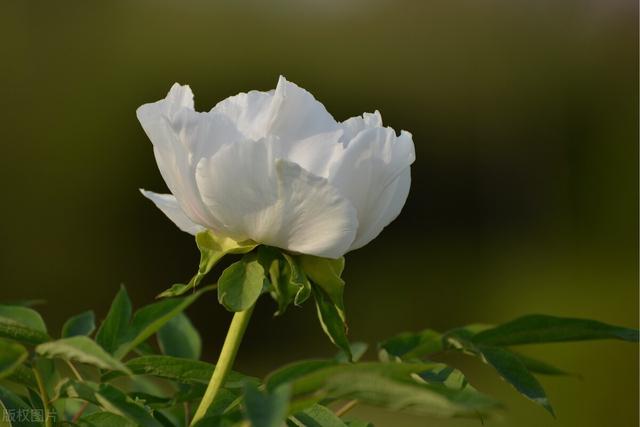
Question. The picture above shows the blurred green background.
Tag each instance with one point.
(524, 196)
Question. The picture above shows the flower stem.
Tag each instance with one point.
(225, 361)
(43, 396)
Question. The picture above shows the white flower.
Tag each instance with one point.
(276, 168)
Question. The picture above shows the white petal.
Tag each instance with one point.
(170, 207)
(365, 172)
(355, 125)
(383, 210)
(181, 137)
(275, 202)
(289, 112)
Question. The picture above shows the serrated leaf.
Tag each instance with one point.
(110, 399)
(80, 324)
(513, 371)
(185, 371)
(538, 328)
(179, 338)
(104, 419)
(317, 416)
(12, 355)
(149, 319)
(212, 249)
(241, 284)
(115, 325)
(413, 345)
(10, 403)
(81, 349)
(266, 409)
(332, 321)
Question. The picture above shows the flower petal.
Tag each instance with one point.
(383, 210)
(275, 202)
(168, 204)
(353, 126)
(289, 112)
(181, 137)
(367, 171)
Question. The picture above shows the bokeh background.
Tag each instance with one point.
(525, 188)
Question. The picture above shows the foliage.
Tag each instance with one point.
(142, 368)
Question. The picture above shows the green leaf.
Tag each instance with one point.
(537, 328)
(104, 419)
(80, 324)
(291, 372)
(358, 349)
(25, 302)
(539, 367)
(359, 423)
(115, 325)
(22, 324)
(326, 273)
(185, 371)
(212, 249)
(389, 385)
(331, 321)
(81, 349)
(24, 316)
(10, 403)
(318, 416)
(110, 399)
(411, 346)
(266, 409)
(12, 354)
(179, 338)
(241, 284)
(149, 319)
(24, 376)
(512, 370)
(447, 376)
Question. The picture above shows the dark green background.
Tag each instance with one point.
(524, 196)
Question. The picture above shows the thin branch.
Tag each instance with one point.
(346, 407)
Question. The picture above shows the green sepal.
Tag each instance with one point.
(241, 283)
(326, 273)
(288, 282)
(332, 321)
(212, 249)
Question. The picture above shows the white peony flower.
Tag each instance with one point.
(276, 168)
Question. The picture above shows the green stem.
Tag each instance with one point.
(43, 396)
(225, 361)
